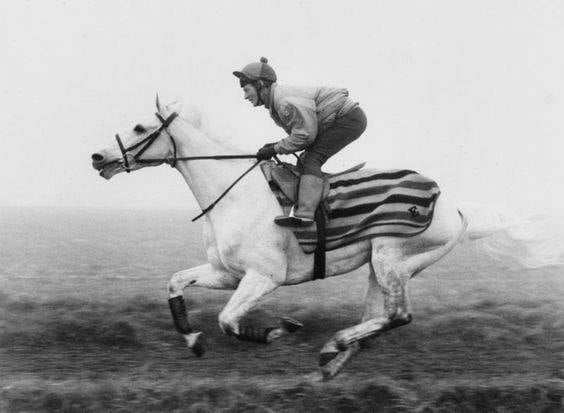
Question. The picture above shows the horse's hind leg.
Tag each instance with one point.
(332, 358)
(397, 309)
(386, 276)
(392, 272)
(201, 276)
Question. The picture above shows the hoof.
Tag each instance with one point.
(199, 348)
(325, 358)
(341, 344)
(328, 353)
(196, 343)
(334, 361)
(290, 325)
(334, 366)
(327, 374)
(402, 320)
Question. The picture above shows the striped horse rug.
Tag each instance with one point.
(369, 203)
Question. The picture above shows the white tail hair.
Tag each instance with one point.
(533, 241)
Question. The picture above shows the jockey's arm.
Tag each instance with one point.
(301, 119)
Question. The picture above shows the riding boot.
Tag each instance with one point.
(309, 195)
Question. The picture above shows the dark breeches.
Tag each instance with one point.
(339, 134)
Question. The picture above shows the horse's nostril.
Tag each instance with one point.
(96, 157)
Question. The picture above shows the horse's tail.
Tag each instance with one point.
(531, 242)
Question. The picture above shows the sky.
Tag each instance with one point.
(469, 93)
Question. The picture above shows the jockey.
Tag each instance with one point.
(318, 120)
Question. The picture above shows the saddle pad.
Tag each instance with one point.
(370, 203)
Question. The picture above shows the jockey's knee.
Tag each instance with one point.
(312, 162)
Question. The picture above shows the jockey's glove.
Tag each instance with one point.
(266, 152)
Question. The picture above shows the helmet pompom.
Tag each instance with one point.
(263, 60)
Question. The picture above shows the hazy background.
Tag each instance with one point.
(469, 93)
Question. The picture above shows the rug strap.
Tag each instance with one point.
(320, 256)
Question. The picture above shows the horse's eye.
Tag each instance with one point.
(139, 129)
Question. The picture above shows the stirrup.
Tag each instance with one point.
(292, 221)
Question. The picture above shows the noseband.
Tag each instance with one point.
(146, 143)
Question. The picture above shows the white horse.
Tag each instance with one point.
(248, 253)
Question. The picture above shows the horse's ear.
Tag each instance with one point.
(175, 106)
(158, 103)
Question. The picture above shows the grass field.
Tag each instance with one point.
(85, 326)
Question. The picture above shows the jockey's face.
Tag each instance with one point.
(251, 94)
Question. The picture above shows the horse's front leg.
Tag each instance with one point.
(201, 276)
(251, 289)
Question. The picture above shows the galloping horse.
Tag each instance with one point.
(248, 253)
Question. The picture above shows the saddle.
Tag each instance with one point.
(285, 178)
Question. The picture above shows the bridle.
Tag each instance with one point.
(147, 142)
(150, 139)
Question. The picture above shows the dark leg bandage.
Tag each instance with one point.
(255, 334)
(179, 315)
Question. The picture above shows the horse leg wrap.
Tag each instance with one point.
(179, 315)
(255, 334)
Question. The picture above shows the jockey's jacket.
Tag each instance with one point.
(303, 112)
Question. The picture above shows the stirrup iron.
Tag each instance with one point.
(292, 221)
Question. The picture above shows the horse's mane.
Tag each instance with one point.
(198, 120)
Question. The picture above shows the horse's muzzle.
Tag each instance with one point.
(98, 161)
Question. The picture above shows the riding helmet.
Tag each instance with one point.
(256, 71)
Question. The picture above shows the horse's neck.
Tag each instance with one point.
(207, 179)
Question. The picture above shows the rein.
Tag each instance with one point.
(214, 203)
(149, 140)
